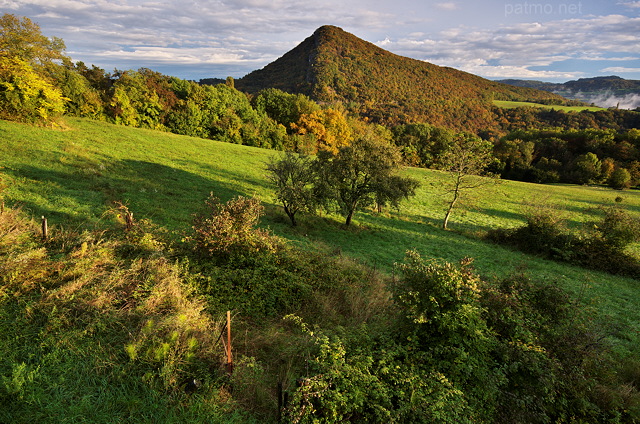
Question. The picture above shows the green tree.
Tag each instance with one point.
(27, 61)
(360, 174)
(284, 108)
(422, 144)
(293, 177)
(134, 103)
(84, 100)
(465, 162)
(21, 38)
(620, 179)
(586, 169)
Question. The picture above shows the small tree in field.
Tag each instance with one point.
(620, 179)
(361, 174)
(293, 176)
(465, 162)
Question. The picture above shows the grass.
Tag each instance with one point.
(509, 104)
(73, 176)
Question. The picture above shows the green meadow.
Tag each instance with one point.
(509, 104)
(74, 175)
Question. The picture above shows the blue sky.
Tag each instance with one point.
(548, 40)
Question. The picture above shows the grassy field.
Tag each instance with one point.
(509, 104)
(73, 176)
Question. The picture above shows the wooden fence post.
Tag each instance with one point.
(45, 229)
(229, 356)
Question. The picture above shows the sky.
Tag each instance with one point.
(547, 40)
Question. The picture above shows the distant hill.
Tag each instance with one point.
(333, 65)
(609, 91)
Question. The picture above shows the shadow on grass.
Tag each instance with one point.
(166, 195)
(380, 240)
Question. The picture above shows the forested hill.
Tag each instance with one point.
(334, 65)
(610, 83)
(608, 91)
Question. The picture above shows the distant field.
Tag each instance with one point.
(509, 105)
(74, 176)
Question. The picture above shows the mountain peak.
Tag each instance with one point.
(333, 65)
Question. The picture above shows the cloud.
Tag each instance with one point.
(629, 101)
(449, 6)
(630, 4)
(520, 50)
(245, 30)
(620, 70)
(246, 34)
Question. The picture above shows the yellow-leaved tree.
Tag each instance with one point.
(27, 91)
(25, 95)
(328, 127)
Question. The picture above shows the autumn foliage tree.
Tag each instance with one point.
(328, 128)
(22, 38)
(25, 95)
(27, 91)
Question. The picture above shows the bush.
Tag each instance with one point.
(620, 179)
(617, 228)
(441, 319)
(544, 234)
(600, 246)
(227, 230)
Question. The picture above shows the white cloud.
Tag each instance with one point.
(620, 70)
(449, 6)
(629, 101)
(631, 4)
(517, 50)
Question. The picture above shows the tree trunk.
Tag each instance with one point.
(446, 216)
(348, 220)
(450, 209)
(292, 216)
(352, 210)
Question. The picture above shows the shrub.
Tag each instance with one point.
(355, 377)
(441, 318)
(601, 246)
(617, 228)
(227, 230)
(620, 179)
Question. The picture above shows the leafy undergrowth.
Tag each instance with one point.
(114, 324)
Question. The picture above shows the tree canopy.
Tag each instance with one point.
(361, 174)
(22, 38)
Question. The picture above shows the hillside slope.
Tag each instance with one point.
(335, 66)
(105, 323)
(74, 176)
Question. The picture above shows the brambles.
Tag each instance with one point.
(230, 229)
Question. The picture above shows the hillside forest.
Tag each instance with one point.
(119, 315)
